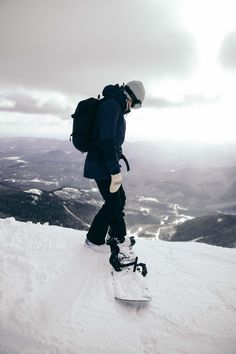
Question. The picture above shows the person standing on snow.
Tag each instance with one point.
(102, 162)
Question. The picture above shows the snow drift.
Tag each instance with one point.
(56, 296)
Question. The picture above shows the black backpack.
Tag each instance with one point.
(84, 124)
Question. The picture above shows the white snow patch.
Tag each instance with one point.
(37, 180)
(10, 180)
(197, 239)
(14, 158)
(11, 158)
(56, 296)
(182, 218)
(148, 199)
(68, 193)
(35, 199)
(182, 208)
(21, 161)
(93, 190)
(164, 219)
(145, 211)
(34, 191)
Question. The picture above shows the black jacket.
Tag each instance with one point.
(102, 159)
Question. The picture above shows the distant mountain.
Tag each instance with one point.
(218, 230)
(168, 184)
(67, 207)
(199, 177)
(52, 207)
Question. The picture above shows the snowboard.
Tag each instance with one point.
(129, 282)
(130, 287)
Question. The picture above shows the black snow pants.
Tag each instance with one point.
(110, 218)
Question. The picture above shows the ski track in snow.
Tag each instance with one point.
(56, 296)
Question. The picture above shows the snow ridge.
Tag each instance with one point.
(56, 296)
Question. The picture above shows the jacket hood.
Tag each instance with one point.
(114, 91)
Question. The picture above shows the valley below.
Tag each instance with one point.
(41, 180)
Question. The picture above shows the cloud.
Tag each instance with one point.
(227, 55)
(35, 102)
(6, 104)
(185, 101)
(21, 124)
(77, 47)
(46, 103)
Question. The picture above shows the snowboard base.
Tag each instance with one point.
(134, 301)
(130, 287)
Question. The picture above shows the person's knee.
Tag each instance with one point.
(112, 207)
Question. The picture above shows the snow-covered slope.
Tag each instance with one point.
(56, 296)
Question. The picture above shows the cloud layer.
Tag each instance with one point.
(54, 53)
(35, 102)
(184, 101)
(79, 46)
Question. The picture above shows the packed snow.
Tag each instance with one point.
(57, 296)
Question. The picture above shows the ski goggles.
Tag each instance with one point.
(135, 102)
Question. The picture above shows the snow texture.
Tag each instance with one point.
(130, 286)
(56, 296)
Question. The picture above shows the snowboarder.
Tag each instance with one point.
(102, 162)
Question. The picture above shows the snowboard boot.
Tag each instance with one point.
(126, 248)
(97, 248)
(121, 253)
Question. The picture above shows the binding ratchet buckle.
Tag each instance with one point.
(118, 265)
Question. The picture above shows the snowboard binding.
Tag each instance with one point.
(116, 262)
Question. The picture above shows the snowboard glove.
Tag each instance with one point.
(116, 181)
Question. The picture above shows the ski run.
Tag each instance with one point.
(56, 296)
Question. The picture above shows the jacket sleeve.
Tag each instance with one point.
(108, 119)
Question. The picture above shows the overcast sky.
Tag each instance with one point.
(56, 52)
